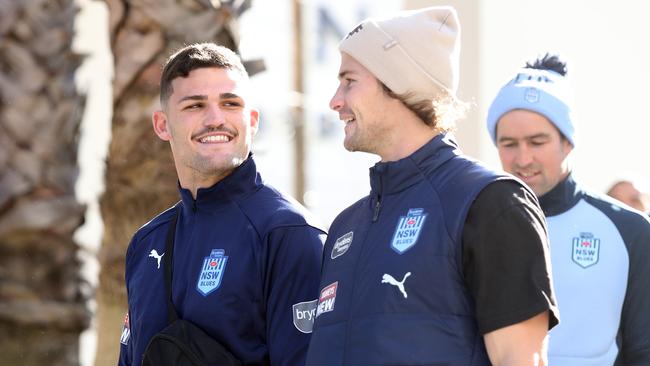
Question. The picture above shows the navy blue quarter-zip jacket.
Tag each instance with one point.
(246, 267)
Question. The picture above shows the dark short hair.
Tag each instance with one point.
(196, 56)
(550, 62)
(439, 114)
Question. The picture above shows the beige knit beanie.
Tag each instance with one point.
(413, 52)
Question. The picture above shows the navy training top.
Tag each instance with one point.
(246, 267)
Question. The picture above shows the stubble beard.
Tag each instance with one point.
(362, 142)
(354, 141)
(209, 167)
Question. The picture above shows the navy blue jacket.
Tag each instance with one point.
(244, 255)
(392, 289)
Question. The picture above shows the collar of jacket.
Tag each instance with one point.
(561, 198)
(395, 176)
(242, 182)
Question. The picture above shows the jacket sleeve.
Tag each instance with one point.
(291, 288)
(635, 322)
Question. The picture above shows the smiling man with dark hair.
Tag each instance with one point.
(246, 259)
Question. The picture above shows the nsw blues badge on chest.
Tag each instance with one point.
(586, 250)
(408, 230)
(212, 271)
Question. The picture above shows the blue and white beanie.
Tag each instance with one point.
(543, 91)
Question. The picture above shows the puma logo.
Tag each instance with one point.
(392, 281)
(154, 254)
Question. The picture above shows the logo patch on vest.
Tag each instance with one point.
(342, 245)
(387, 278)
(586, 250)
(126, 331)
(327, 299)
(211, 272)
(408, 230)
(304, 314)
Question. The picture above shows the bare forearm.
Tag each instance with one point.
(524, 343)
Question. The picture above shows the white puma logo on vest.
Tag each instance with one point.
(154, 254)
(392, 281)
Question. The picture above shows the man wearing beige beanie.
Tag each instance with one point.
(445, 262)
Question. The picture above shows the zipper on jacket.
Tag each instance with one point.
(375, 214)
(194, 208)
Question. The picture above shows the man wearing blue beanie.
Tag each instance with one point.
(600, 248)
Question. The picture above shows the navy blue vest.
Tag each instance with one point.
(392, 288)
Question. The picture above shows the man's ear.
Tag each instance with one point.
(254, 120)
(567, 147)
(160, 127)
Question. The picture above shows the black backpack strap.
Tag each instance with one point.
(169, 253)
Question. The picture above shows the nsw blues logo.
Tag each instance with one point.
(211, 272)
(408, 230)
(586, 250)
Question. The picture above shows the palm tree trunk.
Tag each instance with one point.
(42, 309)
(140, 175)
